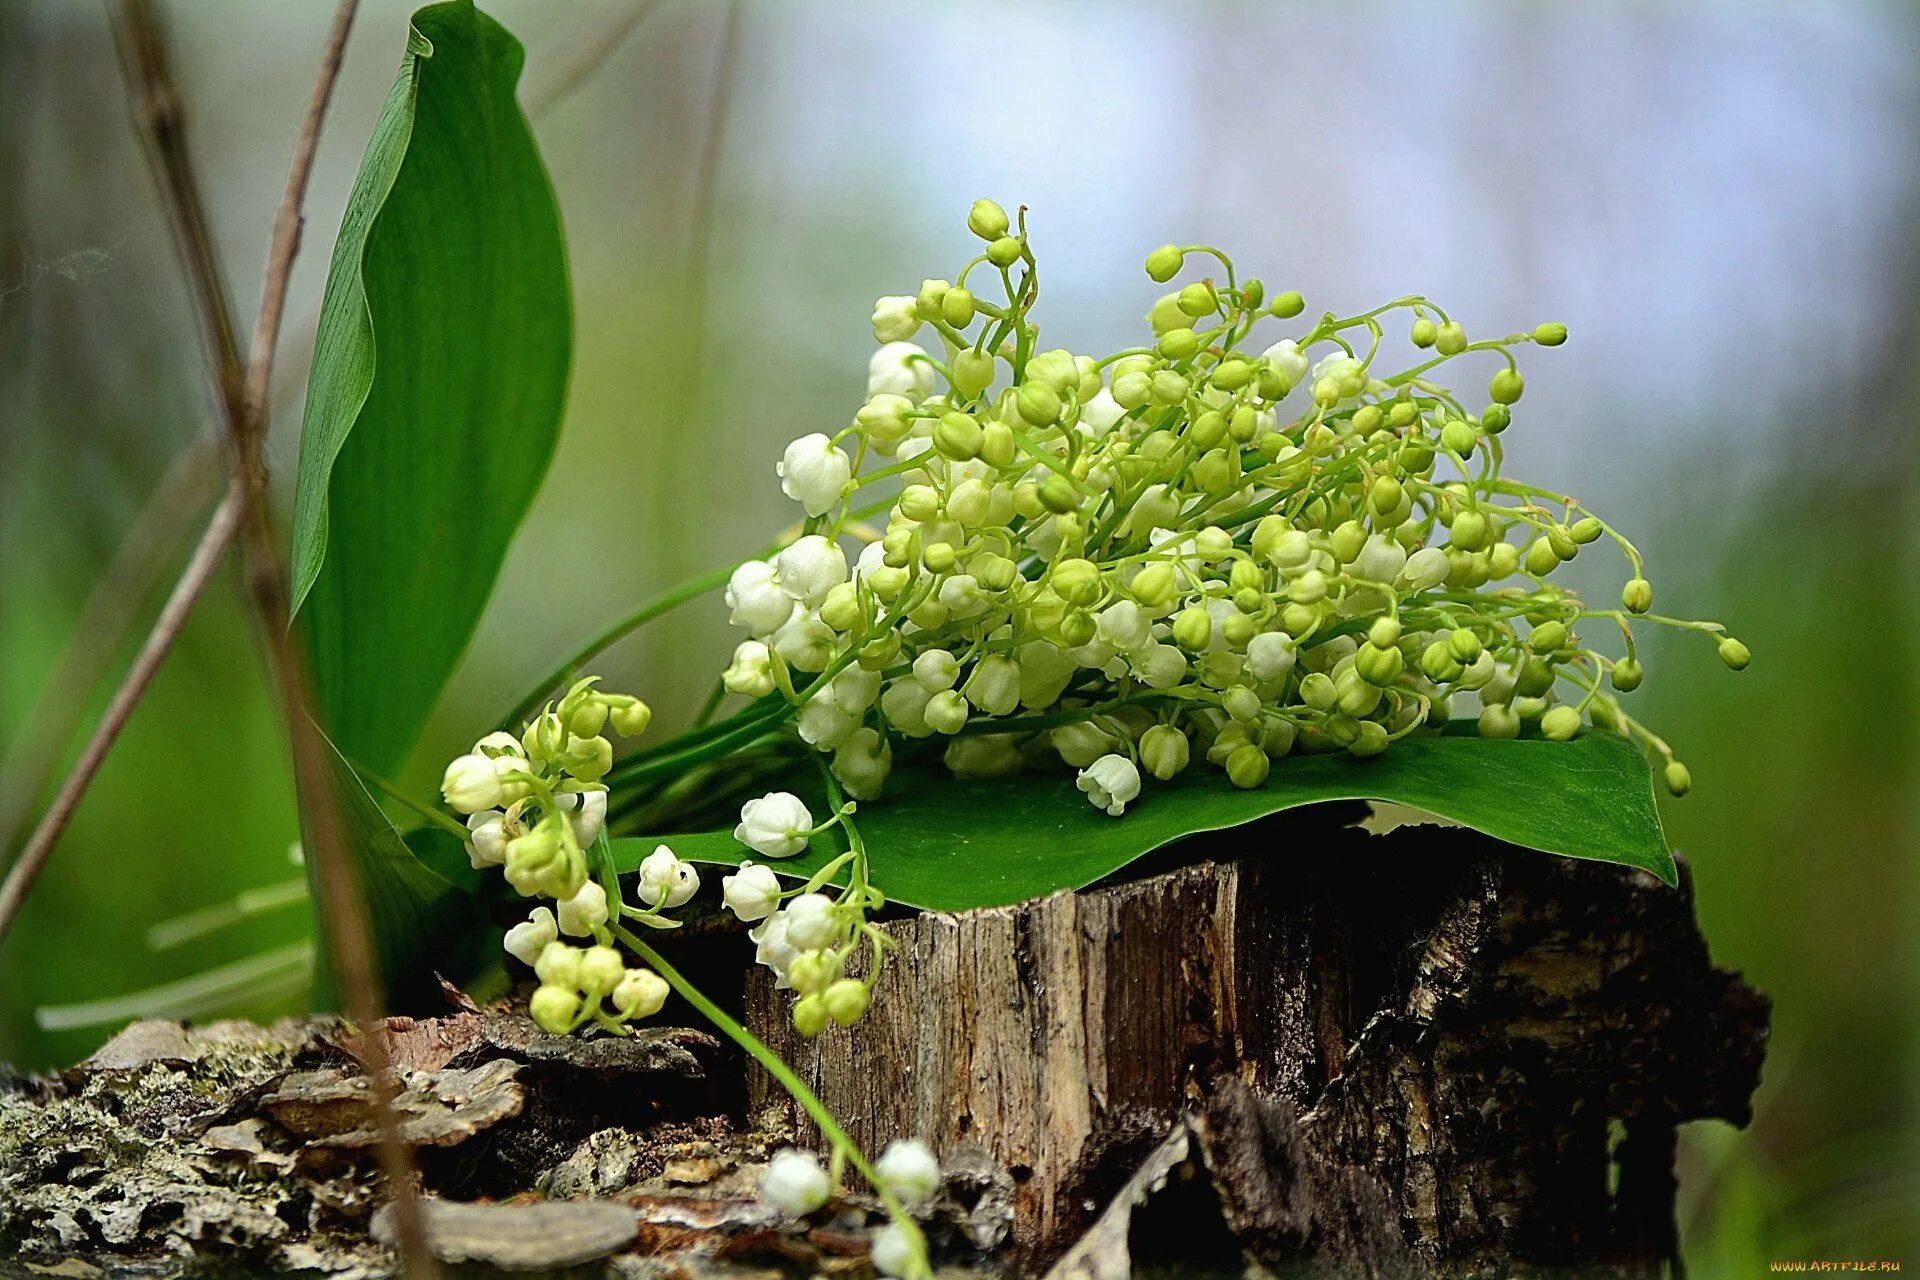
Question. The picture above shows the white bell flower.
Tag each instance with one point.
(805, 643)
(904, 704)
(772, 949)
(1270, 655)
(823, 724)
(1102, 413)
(896, 317)
(755, 597)
(814, 472)
(1425, 569)
(811, 567)
(892, 1251)
(1110, 782)
(1159, 666)
(1286, 356)
(1124, 625)
(811, 921)
(1081, 743)
(751, 893)
(588, 816)
(1044, 673)
(487, 843)
(776, 824)
(895, 370)
(855, 689)
(526, 940)
(863, 762)
(936, 670)
(641, 994)
(584, 911)
(995, 685)
(471, 784)
(795, 1184)
(908, 1169)
(499, 742)
(666, 881)
(1380, 560)
(751, 671)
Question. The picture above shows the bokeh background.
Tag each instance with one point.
(1721, 201)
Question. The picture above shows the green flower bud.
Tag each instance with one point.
(1495, 418)
(1560, 723)
(1349, 539)
(1197, 299)
(997, 447)
(1379, 666)
(1076, 581)
(1309, 588)
(1246, 574)
(1248, 766)
(1469, 530)
(994, 572)
(938, 557)
(1298, 619)
(1232, 374)
(1357, 696)
(1165, 314)
(1503, 559)
(1637, 595)
(1498, 721)
(987, 220)
(972, 372)
(1078, 628)
(600, 970)
(1163, 264)
(1317, 691)
(1214, 544)
(919, 502)
(1384, 633)
(1534, 678)
(1278, 739)
(841, 609)
(1238, 628)
(809, 1016)
(1550, 335)
(630, 718)
(1038, 403)
(1369, 739)
(1464, 645)
(1251, 294)
(1451, 339)
(1627, 674)
(1178, 344)
(553, 1009)
(1541, 559)
(1164, 750)
(1285, 306)
(1243, 423)
(1734, 654)
(1423, 333)
(1229, 740)
(1058, 495)
(1458, 436)
(957, 437)
(1272, 383)
(1438, 664)
(1385, 496)
(1004, 252)
(1208, 429)
(1193, 628)
(926, 303)
(1241, 703)
(847, 1001)
(1548, 637)
(1168, 387)
(1586, 530)
(1154, 586)
(1678, 777)
(957, 308)
(1506, 386)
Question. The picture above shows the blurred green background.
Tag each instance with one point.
(1722, 202)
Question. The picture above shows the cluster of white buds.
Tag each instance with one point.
(1204, 549)
(806, 936)
(796, 1184)
(536, 805)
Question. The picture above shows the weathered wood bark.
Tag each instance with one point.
(1421, 1053)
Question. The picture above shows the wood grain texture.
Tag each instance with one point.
(1476, 1036)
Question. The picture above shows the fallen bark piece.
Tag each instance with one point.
(331, 1108)
(541, 1236)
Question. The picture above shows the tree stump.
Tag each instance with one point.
(1424, 1052)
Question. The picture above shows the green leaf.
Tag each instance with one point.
(422, 920)
(945, 844)
(439, 374)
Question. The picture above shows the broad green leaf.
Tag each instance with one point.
(949, 845)
(439, 374)
(421, 919)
